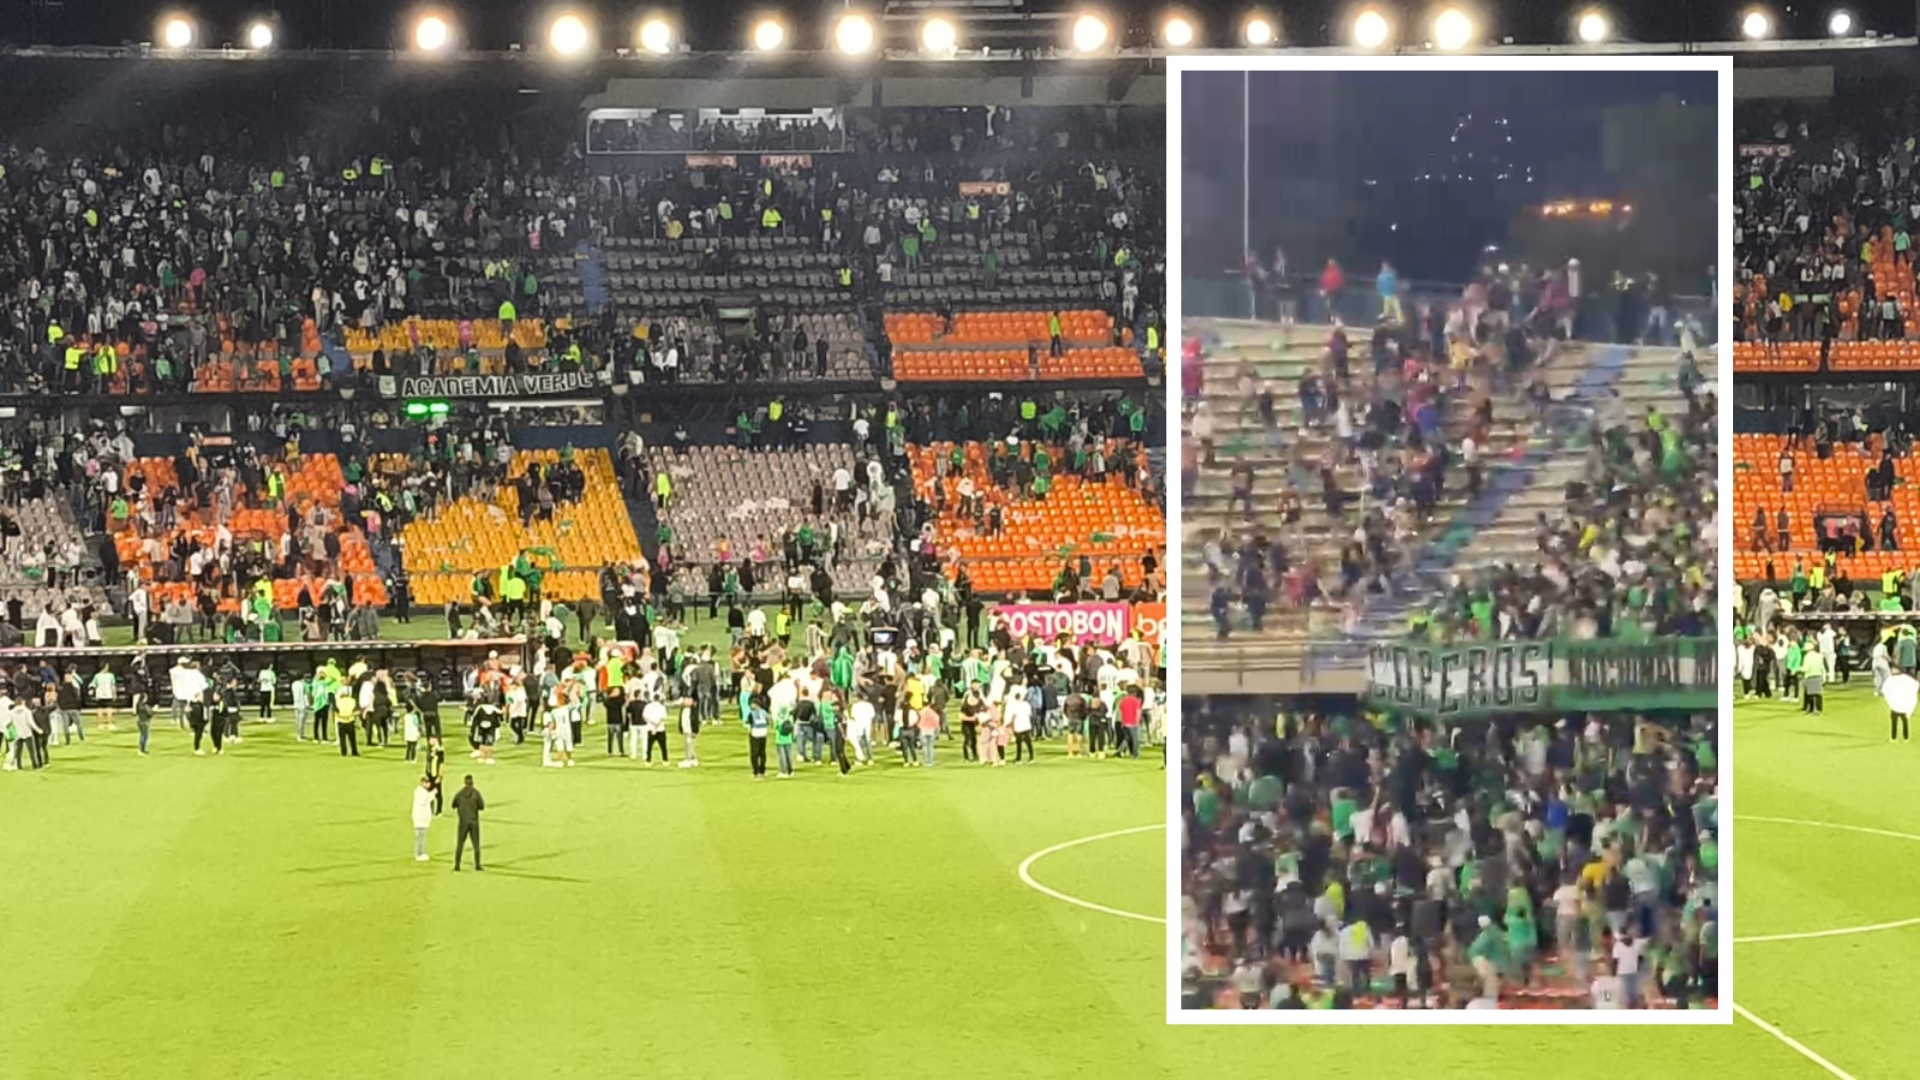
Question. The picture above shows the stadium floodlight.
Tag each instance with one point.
(1178, 32)
(1371, 29)
(1593, 27)
(432, 33)
(1453, 30)
(1840, 23)
(769, 34)
(260, 36)
(656, 35)
(1259, 31)
(176, 32)
(854, 34)
(569, 35)
(1756, 25)
(939, 36)
(1091, 32)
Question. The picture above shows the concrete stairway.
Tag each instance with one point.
(1525, 476)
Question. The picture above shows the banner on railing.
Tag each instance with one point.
(985, 187)
(1081, 622)
(786, 161)
(1543, 676)
(712, 161)
(547, 384)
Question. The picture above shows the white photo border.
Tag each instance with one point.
(1177, 67)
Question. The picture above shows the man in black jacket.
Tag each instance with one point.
(467, 804)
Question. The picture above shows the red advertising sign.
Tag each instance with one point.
(1082, 623)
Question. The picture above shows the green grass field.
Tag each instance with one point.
(261, 915)
(1806, 787)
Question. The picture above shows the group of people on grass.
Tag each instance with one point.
(854, 691)
(1344, 859)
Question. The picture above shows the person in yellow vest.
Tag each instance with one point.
(507, 316)
(70, 368)
(662, 489)
(770, 218)
(106, 363)
(1057, 346)
(352, 172)
(377, 168)
(846, 278)
(513, 594)
(1153, 340)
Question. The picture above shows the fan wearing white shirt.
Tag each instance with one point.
(422, 816)
(1626, 965)
(1901, 692)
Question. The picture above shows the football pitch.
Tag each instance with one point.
(260, 914)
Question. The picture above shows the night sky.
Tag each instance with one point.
(1423, 167)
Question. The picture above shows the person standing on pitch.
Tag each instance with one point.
(346, 706)
(436, 773)
(1901, 692)
(423, 817)
(758, 726)
(467, 804)
(1813, 681)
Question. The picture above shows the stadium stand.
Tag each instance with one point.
(1328, 584)
(478, 535)
(1827, 316)
(383, 250)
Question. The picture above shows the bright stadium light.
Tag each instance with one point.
(939, 36)
(1259, 31)
(260, 36)
(1371, 29)
(569, 35)
(769, 34)
(1453, 30)
(176, 32)
(1593, 27)
(1756, 25)
(656, 36)
(1177, 32)
(1840, 23)
(1091, 33)
(854, 34)
(432, 33)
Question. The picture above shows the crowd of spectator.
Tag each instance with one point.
(129, 269)
(1823, 213)
(1631, 554)
(1334, 859)
(1385, 407)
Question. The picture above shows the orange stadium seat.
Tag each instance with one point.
(993, 346)
(1836, 485)
(1106, 521)
(469, 536)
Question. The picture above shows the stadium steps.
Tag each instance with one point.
(646, 523)
(1524, 477)
(594, 284)
(1485, 524)
(1619, 384)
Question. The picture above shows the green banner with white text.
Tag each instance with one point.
(1479, 679)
